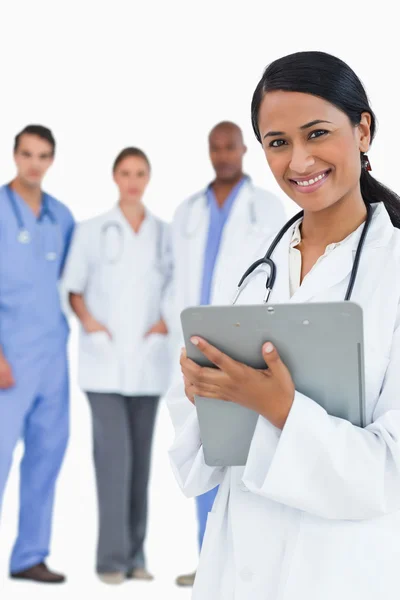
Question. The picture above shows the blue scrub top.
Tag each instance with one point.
(30, 304)
(218, 218)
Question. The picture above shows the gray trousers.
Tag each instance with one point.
(122, 441)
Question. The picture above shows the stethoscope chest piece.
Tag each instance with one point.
(24, 237)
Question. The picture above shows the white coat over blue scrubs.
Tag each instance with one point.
(33, 337)
(255, 215)
(315, 513)
(211, 249)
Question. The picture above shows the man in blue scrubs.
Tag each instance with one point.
(35, 233)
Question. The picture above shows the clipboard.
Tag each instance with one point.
(322, 344)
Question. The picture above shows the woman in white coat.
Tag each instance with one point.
(116, 276)
(315, 513)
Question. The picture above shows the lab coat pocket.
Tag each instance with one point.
(99, 341)
(98, 367)
(155, 364)
(334, 555)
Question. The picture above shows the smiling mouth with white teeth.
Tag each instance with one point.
(312, 183)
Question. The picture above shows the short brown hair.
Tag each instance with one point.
(42, 132)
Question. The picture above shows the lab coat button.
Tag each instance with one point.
(246, 574)
(243, 487)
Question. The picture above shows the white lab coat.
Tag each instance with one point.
(255, 215)
(126, 296)
(315, 513)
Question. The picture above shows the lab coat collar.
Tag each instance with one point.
(381, 229)
(337, 266)
(243, 197)
(198, 208)
(244, 181)
(241, 211)
(236, 231)
(116, 214)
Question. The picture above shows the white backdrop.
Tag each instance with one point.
(104, 74)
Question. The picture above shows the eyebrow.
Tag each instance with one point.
(306, 126)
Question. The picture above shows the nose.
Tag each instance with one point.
(301, 160)
(220, 160)
(35, 163)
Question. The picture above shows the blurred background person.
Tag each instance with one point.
(35, 233)
(116, 276)
(214, 233)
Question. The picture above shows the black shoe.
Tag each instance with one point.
(39, 573)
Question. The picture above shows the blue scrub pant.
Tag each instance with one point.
(204, 504)
(36, 410)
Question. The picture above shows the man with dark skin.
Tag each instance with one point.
(230, 205)
(227, 151)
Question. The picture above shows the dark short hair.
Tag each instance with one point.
(226, 126)
(42, 132)
(127, 152)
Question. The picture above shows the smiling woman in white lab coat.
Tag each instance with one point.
(315, 513)
(116, 276)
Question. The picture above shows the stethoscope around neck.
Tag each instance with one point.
(23, 236)
(192, 221)
(116, 226)
(267, 259)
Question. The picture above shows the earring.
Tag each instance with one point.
(365, 163)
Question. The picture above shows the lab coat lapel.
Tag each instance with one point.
(337, 266)
(374, 258)
(237, 226)
(240, 226)
(194, 248)
(135, 245)
(241, 240)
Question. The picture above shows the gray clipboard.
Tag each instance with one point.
(321, 344)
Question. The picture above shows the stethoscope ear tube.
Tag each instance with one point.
(282, 232)
(358, 252)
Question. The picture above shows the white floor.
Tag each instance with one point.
(171, 545)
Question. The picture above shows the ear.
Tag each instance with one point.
(364, 132)
(244, 149)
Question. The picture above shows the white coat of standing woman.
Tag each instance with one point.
(116, 277)
(315, 512)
